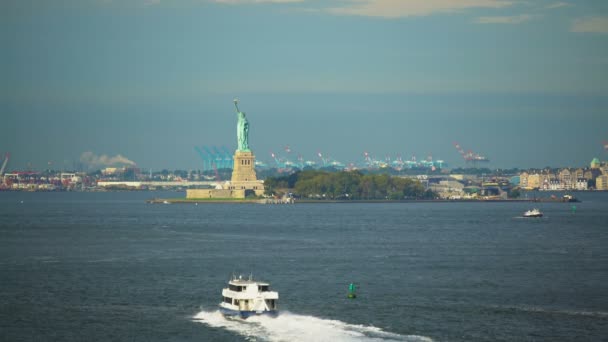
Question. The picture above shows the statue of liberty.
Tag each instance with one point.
(242, 129)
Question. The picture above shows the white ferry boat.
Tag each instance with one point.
(533, 213)
(246, 297)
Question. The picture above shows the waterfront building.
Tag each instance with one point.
(534, 181)
(582, 184)
(595, 163)
(578, 173)
(514, 180)
(67, 178)
(555, 185)
(592, 174)
(523, 180)
(565, 177)
(108, 171)
(601, 182)
(448, 189)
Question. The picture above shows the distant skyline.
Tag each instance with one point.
(524, 83)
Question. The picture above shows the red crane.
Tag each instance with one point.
(470, 156)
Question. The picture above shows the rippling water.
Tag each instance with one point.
(108, 266)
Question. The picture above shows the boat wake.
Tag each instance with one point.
(538, 309)
(531, 218)
(293, 327)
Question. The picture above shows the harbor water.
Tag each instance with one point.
(110, 267)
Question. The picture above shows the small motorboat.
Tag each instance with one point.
(533, 213)
(570, 198)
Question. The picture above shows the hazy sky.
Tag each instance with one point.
(523, 82)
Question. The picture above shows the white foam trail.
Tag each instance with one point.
(600, 314)
(292, 327)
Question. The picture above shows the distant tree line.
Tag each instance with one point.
(343, 185)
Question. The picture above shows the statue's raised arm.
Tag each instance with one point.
(236, 104)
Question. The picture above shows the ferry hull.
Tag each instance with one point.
(246, 314)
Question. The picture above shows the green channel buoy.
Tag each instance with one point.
(351, 291)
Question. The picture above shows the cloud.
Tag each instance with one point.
(228, 2)
(407, 8)
(558, 5)
(375, 8)
(515, 19)
(590, 24)
(238, 2)
(92, 160)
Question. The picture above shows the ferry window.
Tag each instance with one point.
(236, 302)
(236, 288)
(264, 288)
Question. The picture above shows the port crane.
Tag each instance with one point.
(367, 159)
(280, 163)
(202, 155)
(470, 156)
(4, 163)
(323, 160)
(214, 157)
(300, 160)
(398, 163)
(228, 159)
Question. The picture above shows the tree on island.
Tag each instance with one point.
(514, 193)
(345, 185)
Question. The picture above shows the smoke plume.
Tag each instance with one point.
(93, 160)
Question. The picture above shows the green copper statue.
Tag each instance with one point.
(242, 129)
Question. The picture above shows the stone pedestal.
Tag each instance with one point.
(243, 173)
(243, 170)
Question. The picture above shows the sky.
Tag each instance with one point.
(101, 82)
